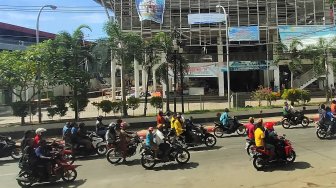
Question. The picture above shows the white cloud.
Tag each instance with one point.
(94, 18)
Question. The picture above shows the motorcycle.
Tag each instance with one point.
(98, 146)
(196, 135)
(65, 171)
(297, 118)
(10, 148)
(322, 130)
(286, 155)
(175, 153)
(114, 155)
(237, 127)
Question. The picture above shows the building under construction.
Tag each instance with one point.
(205, 42)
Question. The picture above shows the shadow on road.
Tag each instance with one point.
(300, 127)
(289, 167)
(62, 184)
(176, 166)
(133, 162)
(8, 161)
(232, 135)
(88, 158)
(205, 148)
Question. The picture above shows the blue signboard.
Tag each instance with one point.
(205, 18)
(151, 10)
(249, 65)
(308, 35)
(245, 33)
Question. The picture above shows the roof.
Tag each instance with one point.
(26, 30)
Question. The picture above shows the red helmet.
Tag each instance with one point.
(269, 125)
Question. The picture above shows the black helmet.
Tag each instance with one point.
(100, 118)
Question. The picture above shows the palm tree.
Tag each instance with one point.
(125, 47)
(71, 55)
(318, 54)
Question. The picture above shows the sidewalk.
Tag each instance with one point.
(138, 123)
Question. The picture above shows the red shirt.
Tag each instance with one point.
(160, 120)
(250, 130)
(36, 140)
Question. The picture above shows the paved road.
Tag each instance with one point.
(227, 165)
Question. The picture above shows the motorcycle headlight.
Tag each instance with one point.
(9, 138)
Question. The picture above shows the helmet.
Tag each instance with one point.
(269, 125)
(100, 118)
(150, 129)
(39, 131)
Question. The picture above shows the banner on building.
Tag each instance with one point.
(203, 70)
(249, 66)
(205, 18)
(248, 33)
(308, 35)
(151, 10)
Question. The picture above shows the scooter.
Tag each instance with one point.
(10, 148)
(237, 127)
(98, 146)
(297, 118)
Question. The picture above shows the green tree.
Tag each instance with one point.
(156, 102)
(133, 103)
(71, 54)
(106, 106)
(318, 54)
(125, 46)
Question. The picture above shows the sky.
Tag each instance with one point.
(67, 17)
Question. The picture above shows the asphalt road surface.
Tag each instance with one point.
(226, 165)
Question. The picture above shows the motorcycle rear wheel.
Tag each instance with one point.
(291, 157)
(321, 133)
(305, 122)
(183, 156)
(69, 175)
(24, 183)
(210, 140)
(218, 132)
(285, 124)
(113, 157)
(258, 163)
(148, 161)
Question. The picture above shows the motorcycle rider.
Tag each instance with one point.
(43, 157)
(121, 141)
(110, 135)
(79, 137)
(329, 119)
(28, 154)
(172, 120)
(288, 111)
(250, 128)
(259, 137)
(160, 140)
(333, 106)
(160, 118)
(270, 137)
(66, 132)
(150, 142)
(178, 125)
(224, 119)
(100, 127)
(28, 135)
(38, 136)
(322, 113)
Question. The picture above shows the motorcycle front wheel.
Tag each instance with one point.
(16, 153)
(291, 157)
(305, 122)
(321, 133)
(250, 149)
(210, 140)
(258, 163)
(148, 161)
(24, 175)
(218, 132)
(241, 130)
(183, 156)
(101, 150)
(69, 175)
(113, 156)
(285, 124)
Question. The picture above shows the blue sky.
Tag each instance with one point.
(24, 13)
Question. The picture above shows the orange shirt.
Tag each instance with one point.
(333, 108)
(160, 120)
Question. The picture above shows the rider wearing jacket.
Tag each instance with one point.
(224, 118)
(43, 157)
(178, 125)
(100, 127)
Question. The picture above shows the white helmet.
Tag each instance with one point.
(39, 131)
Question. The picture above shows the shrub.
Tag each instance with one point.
(61, 108)
(305, 96)
(21, 109)
(105, 106)
(51, 112)
(116, 107)
(265, 93)
(133, 103)
(156, 102)
(296, 95)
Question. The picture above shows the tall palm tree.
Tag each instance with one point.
(125, 47)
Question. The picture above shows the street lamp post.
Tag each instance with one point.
(53, 7)
(227, 52)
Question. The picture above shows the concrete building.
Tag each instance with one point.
(251, 61)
